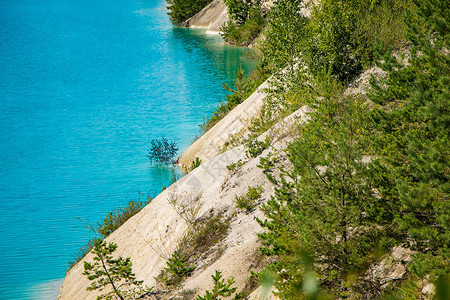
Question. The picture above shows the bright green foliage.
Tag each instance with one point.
(330, 42)
(248, 201)
(242, 88)
(206, 234)
(242, 34)
(116, 273)
(381, 20)
(283, 42)
(339, 35)
(246, 22)
(199, 239)
(119, 216)
(411, 138)
(236, 166)
(365, 180)
(238, 10)
(326, 202)
(267, 163)
(181, 10)
(256, 147)
(221, 288)
(177, 269)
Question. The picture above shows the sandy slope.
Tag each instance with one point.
(151, 236)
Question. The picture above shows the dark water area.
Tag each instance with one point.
(84, 87)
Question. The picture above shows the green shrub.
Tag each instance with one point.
(382, 20)
(220, 289)
(339, 35)
(267, 163)
(285, 34)
(110, 223)
(204, 235)
(345, 211)
(238, 10)
(247, 202)
(330, 43)
(255, 147)
(246, 22)
(236, 166)
(162, 150)
(196, 163)
(116, 218)
(201, 236)
(176, 271)
(242, 34)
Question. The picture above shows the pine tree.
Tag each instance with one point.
(323, 207)
(220, 289)
(117, 273)
(411, 137)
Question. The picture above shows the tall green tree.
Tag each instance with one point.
(323, 207)
(411, 136)
(285, 35)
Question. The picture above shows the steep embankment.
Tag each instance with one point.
(151, 236)
(212, 17)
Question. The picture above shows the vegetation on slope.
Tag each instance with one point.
(110, 223)
(247, 20)
(241, 89)
(364, 178)
(181, 10)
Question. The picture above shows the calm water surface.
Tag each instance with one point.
(84, 86)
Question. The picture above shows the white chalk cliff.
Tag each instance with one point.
(212, 17)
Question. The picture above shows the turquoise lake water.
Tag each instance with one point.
(84, 87)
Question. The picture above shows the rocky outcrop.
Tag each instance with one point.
(212, 17)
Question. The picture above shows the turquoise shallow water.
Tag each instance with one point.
(84, 86)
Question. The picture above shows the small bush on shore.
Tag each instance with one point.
(197, 244)
(162, 150)
(110, 223)
(119, 216)
(221, 288)
(242, 88)
(176, 271)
